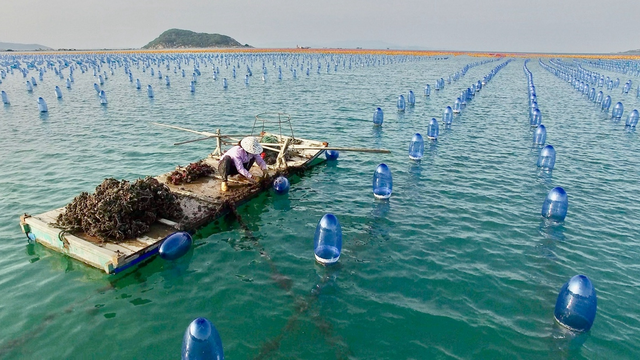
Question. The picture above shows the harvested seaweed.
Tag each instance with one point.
(120, 210)
(190, 173)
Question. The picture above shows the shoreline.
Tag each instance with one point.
(326, 51)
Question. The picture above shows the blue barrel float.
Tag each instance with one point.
(378, 117)
(433, 129)
(382, 182)
(577, 304)
(331, 155)
(556, 204)
(175, 245)
(416, 147)
(327, 241)
(202, 341)
(281, 185)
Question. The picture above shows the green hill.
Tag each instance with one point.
(185, 39)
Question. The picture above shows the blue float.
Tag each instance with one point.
(599, 97)
(149, 91)
(540, 135)
(632, 119)
(547, 158)
(401, 103)
(68, 83)
(58, 92)
(457, 105)
(536, 118)
(382, 182)
(433, 130)
(202, 341)
(378, 117)
(617, 111)
(224, 83)
(192, 86)
(416, 148)
(138, 84)
(327, 241)
(29, 86)
(555, 205)
(447, 116)
(606, 103)
(577, 304)
(103, 97)
(42, 105)
(427, 90)
(175, 245)
(411, 98)
(167, 81)
(331, 155)
(281, 185)
(5, 98)
(246, 79)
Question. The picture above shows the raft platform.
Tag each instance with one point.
(201, 201)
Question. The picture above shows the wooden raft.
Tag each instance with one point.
(201, 202)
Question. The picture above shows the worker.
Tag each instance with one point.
(239, 159)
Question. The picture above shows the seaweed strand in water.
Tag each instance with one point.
(120, 210)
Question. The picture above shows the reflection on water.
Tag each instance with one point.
(566, 343)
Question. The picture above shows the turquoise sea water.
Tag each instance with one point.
(457, 264)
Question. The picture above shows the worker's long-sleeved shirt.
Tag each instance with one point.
(241, 157)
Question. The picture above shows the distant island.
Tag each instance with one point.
(21, 47)
(185, 39)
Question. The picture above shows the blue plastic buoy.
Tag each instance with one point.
(175, 245)
(378, 117)
(167, 81)
(427, 90)
(433, 130)
(555, 205)
(632, 119)
(447, 116)
(457, 105)
(224, 83)
(606, 103)
(327, 241)
(382, 182)
(138, 84)
(5, 98)
(246, 79)
(192, 86)
(536, 118)
(540, 135)
(617, 111)
(547, 158)
(577, 304)
(149, 91)
(281, 185)
(599, 97)
(331, 155)
(401, 103)
(411, 98)
(103, 97)
(29, 86)
(416, 148)
(42, 105)
(202, 341)
(68, 83)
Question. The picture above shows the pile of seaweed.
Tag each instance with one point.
(190, 173)
(120, 210)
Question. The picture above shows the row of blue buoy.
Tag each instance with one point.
(599, 99)
(576, 304)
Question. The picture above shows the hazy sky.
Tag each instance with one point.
(479, 25)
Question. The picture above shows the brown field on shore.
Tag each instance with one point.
(337, 51)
